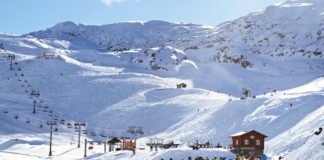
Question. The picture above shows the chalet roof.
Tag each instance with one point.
(238, 134)
(114, 140)
(245, 132)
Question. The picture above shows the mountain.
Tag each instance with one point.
(124, 74)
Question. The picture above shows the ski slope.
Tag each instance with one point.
(134, 84)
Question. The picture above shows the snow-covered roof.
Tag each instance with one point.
(238, 134)
(244, 132)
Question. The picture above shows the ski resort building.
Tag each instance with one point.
(248, 143)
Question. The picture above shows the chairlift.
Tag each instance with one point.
(5, 112)
(16, 116)
(19, 69)
(85, 131)
(16, 63)
(41, 125)
(93, 133)
(55, 129)
(55, 119)
(22, 75)
(45, 110)
(69, 125)
(26, 91)
(50, 114)
(46, 106)
(103, 135)
(27, 120)
(19, 80)
(62, 121)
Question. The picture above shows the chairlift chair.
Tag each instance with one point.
(93, 133)
(103, 135)
(41, 125)
(27, 120)
(62, 121)
(16, 116)
(69, 125)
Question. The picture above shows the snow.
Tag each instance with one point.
(125, 74)
(238, 134)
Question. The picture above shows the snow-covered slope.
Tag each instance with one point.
(125, 74)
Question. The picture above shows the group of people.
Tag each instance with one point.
(201, 158)
(263, 157)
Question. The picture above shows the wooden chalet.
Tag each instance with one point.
(128, 144)
(248, 143)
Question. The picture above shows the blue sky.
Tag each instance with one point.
(23, 16)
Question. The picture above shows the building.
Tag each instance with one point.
(248, 143)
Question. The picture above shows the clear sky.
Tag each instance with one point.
(23, 16)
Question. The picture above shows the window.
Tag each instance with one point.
(246, 142)
(258, 142)
(237, 142)
(252, 137)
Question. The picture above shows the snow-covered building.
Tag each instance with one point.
(248, 143)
